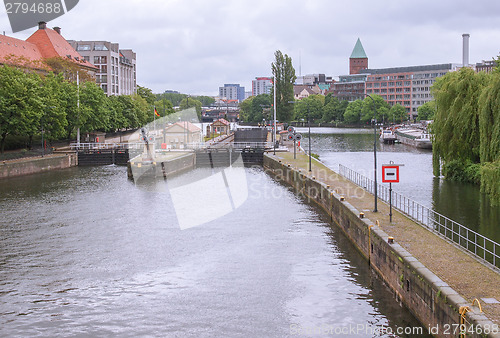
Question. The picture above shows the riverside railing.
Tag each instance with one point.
(475, 243)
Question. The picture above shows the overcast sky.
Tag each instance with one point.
(195, 46)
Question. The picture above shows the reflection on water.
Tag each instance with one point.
(465, 204)
(461, 202)
(86, 252)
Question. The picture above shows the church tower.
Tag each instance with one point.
(358, 59)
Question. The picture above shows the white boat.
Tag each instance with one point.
(387, 136)
(414, 137)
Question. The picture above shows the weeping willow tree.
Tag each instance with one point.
(489, 125)
(456, 124)
(466, 129)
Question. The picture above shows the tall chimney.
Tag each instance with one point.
(42, 25)
(58, 30)
(465, 51)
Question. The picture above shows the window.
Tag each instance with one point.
(83, 47)
(100, 47)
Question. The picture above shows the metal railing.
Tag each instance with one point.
(189, 146)
(95, 146)
(475, 243)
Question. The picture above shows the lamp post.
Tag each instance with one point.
(309, 133)
(43, 148)
(374, 151)
(309, 126)
(274, 129)
(374, 148)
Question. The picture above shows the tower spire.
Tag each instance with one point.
(358, 59)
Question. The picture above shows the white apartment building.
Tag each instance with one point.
(261, 85)
(116, 73)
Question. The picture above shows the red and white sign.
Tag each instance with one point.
(390, 174)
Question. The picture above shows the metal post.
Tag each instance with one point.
(274, 129)
(374, 151)
(309, 124)
(43, 148)
(294, 147)
(78, 106)
(390, 202)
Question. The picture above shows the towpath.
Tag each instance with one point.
(464, 273)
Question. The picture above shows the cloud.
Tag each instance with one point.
(195, 46)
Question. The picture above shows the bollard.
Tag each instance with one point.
(390, 240)
(361, 215)
(342, 198)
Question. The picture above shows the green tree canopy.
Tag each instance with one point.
(456, 123)
(311, 106)
(190, 102)
(20, 103)
(397, 114)
(427, 111)
(164, 107)
(146, 94)
(334, 109)
(381, 109)
(284, 75)
(54, 99)
(353, 111)
(92, 114)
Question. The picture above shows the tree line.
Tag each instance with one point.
(331, 109)
(52, 101)
(466, 128)
(319, 108)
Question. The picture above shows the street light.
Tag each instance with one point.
(374, 148)
(309, 133)
(43, 149)
(309, 126)
(374, 151)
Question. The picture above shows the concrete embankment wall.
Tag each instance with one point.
(166, 168)
(430, 299)
(37, 165)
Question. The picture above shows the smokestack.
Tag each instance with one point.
(465, 51)
(58, 30)
(42, 25)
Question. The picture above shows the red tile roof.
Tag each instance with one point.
(223, 121)
(15, 51)
(43, 44)
(52, 44)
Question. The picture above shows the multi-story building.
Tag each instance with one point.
(232, 92)
(262, 85)
(116, 68)
(486, 66)
(43, 45)
(406, 86)
(350, 87)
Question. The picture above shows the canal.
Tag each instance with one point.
(86, 252)
(353, 148)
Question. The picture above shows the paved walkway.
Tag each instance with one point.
(466, 275)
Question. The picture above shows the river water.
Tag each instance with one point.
(353, 148)
(86, 252)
